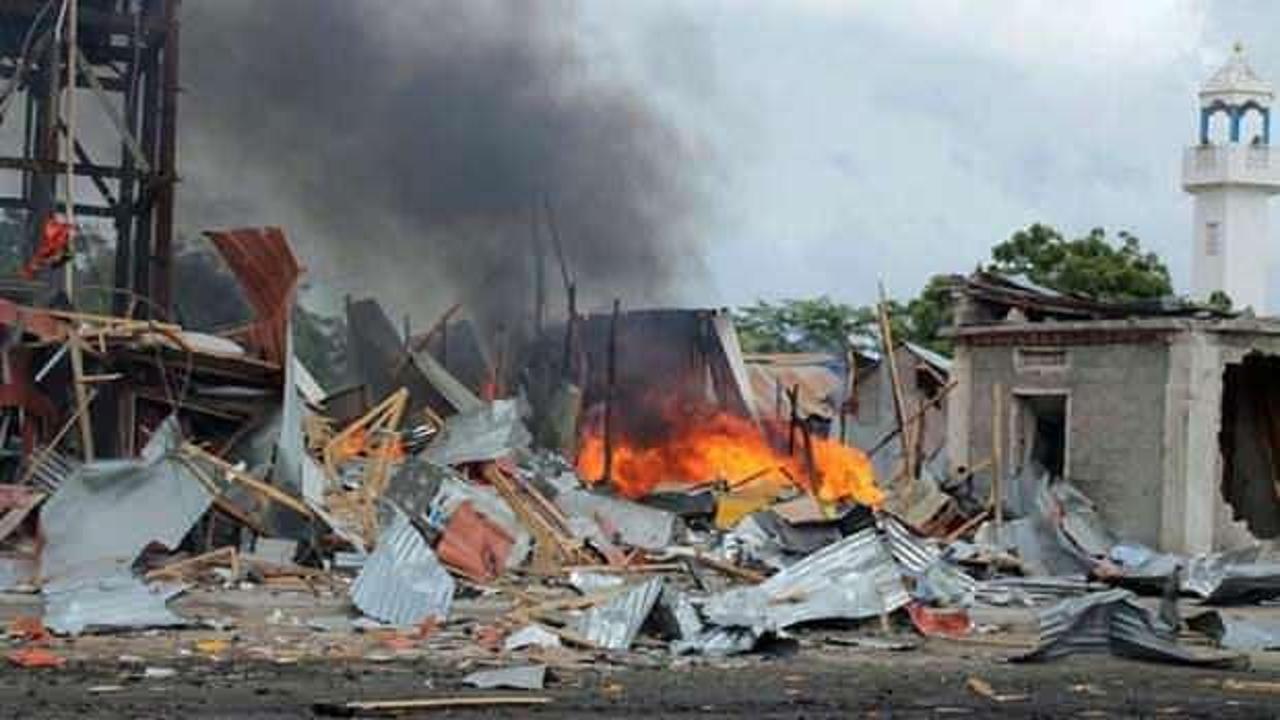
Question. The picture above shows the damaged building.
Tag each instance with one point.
(1166, 415)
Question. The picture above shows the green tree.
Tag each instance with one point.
(823, 325)
(1090, 265)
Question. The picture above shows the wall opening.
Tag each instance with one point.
(1250, 443)
(1040, 430)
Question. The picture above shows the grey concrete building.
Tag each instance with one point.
(1166, 416)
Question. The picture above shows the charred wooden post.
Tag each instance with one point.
(610, 392)
(570, 327)
(793, 397)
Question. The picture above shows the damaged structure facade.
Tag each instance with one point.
(1168, 417)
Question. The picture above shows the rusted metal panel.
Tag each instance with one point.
(268, 273)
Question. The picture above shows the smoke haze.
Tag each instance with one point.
(406, 146)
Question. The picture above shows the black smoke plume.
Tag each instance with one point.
(412, 142)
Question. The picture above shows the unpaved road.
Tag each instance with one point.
(831, 683)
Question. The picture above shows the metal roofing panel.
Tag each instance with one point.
(268, 272)
(1111, 622)
(490, 432)
(402, 582)
(1238, 633)
(16, 572)
(613, 625)
(115, 599)
(854, 578)
(105, 513)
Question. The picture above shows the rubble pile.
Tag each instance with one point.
(152, 461)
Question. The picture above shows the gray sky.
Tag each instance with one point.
(849, 140)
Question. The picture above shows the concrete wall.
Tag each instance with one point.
(1116, 423)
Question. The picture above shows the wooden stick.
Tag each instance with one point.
(886, 340)
(48, 450)
(997, 455)
(247, 480)
(429, 703)
(935, 400)
(81, 395)
(968, 525)
(227, 554)
(728, 568)
(611, 381)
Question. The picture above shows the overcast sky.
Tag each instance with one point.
(849, 141)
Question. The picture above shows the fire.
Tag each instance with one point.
(707, 447)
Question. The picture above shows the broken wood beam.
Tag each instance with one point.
(351, 709)
(610, 392)
(76, 346)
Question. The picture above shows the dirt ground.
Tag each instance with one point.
(277, 659)
(847, 683)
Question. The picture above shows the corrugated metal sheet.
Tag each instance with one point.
(936, 577)
(1033, 591)
(268, 273)
(1232, 577)
(854, 578)
(17, 572)
(1111, 622)
(491, 432)
(53, 468)
(940, 362)
(402, 582)
(379, 360)
(521, 677)
(113, 600)
(613, 625)
(820, 386)
(107, 512)
(718, 642)
(630, 523)
(1238, 633)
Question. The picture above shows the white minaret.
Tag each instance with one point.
(1232, 174)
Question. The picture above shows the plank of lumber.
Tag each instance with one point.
(223, 554)
(429, 703)
(76, 346)
(236, 475)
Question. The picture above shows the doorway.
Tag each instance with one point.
(1039, 432)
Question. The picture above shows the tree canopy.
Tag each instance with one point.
(1091, 265)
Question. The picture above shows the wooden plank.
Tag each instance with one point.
(76, 346)
(391, 706)
(997, 455)
(221, 555)
(247, 480)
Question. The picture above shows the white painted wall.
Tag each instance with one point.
(1232, 185)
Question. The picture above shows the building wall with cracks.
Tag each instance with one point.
(1139, 404)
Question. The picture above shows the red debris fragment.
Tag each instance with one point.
(36, 657)
(54, 248)
(940, 622)
(28, 628)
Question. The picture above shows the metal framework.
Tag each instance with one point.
(127, 65)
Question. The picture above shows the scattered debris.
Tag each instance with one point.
(1113, 622)
(1237, 633)
(978, 686)
(402, 582)
(392, 707)
(531, 636)
(523, 677)
(35, 657)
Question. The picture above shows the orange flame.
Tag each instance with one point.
(722, 446)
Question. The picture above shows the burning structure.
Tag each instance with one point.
(614, 475)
